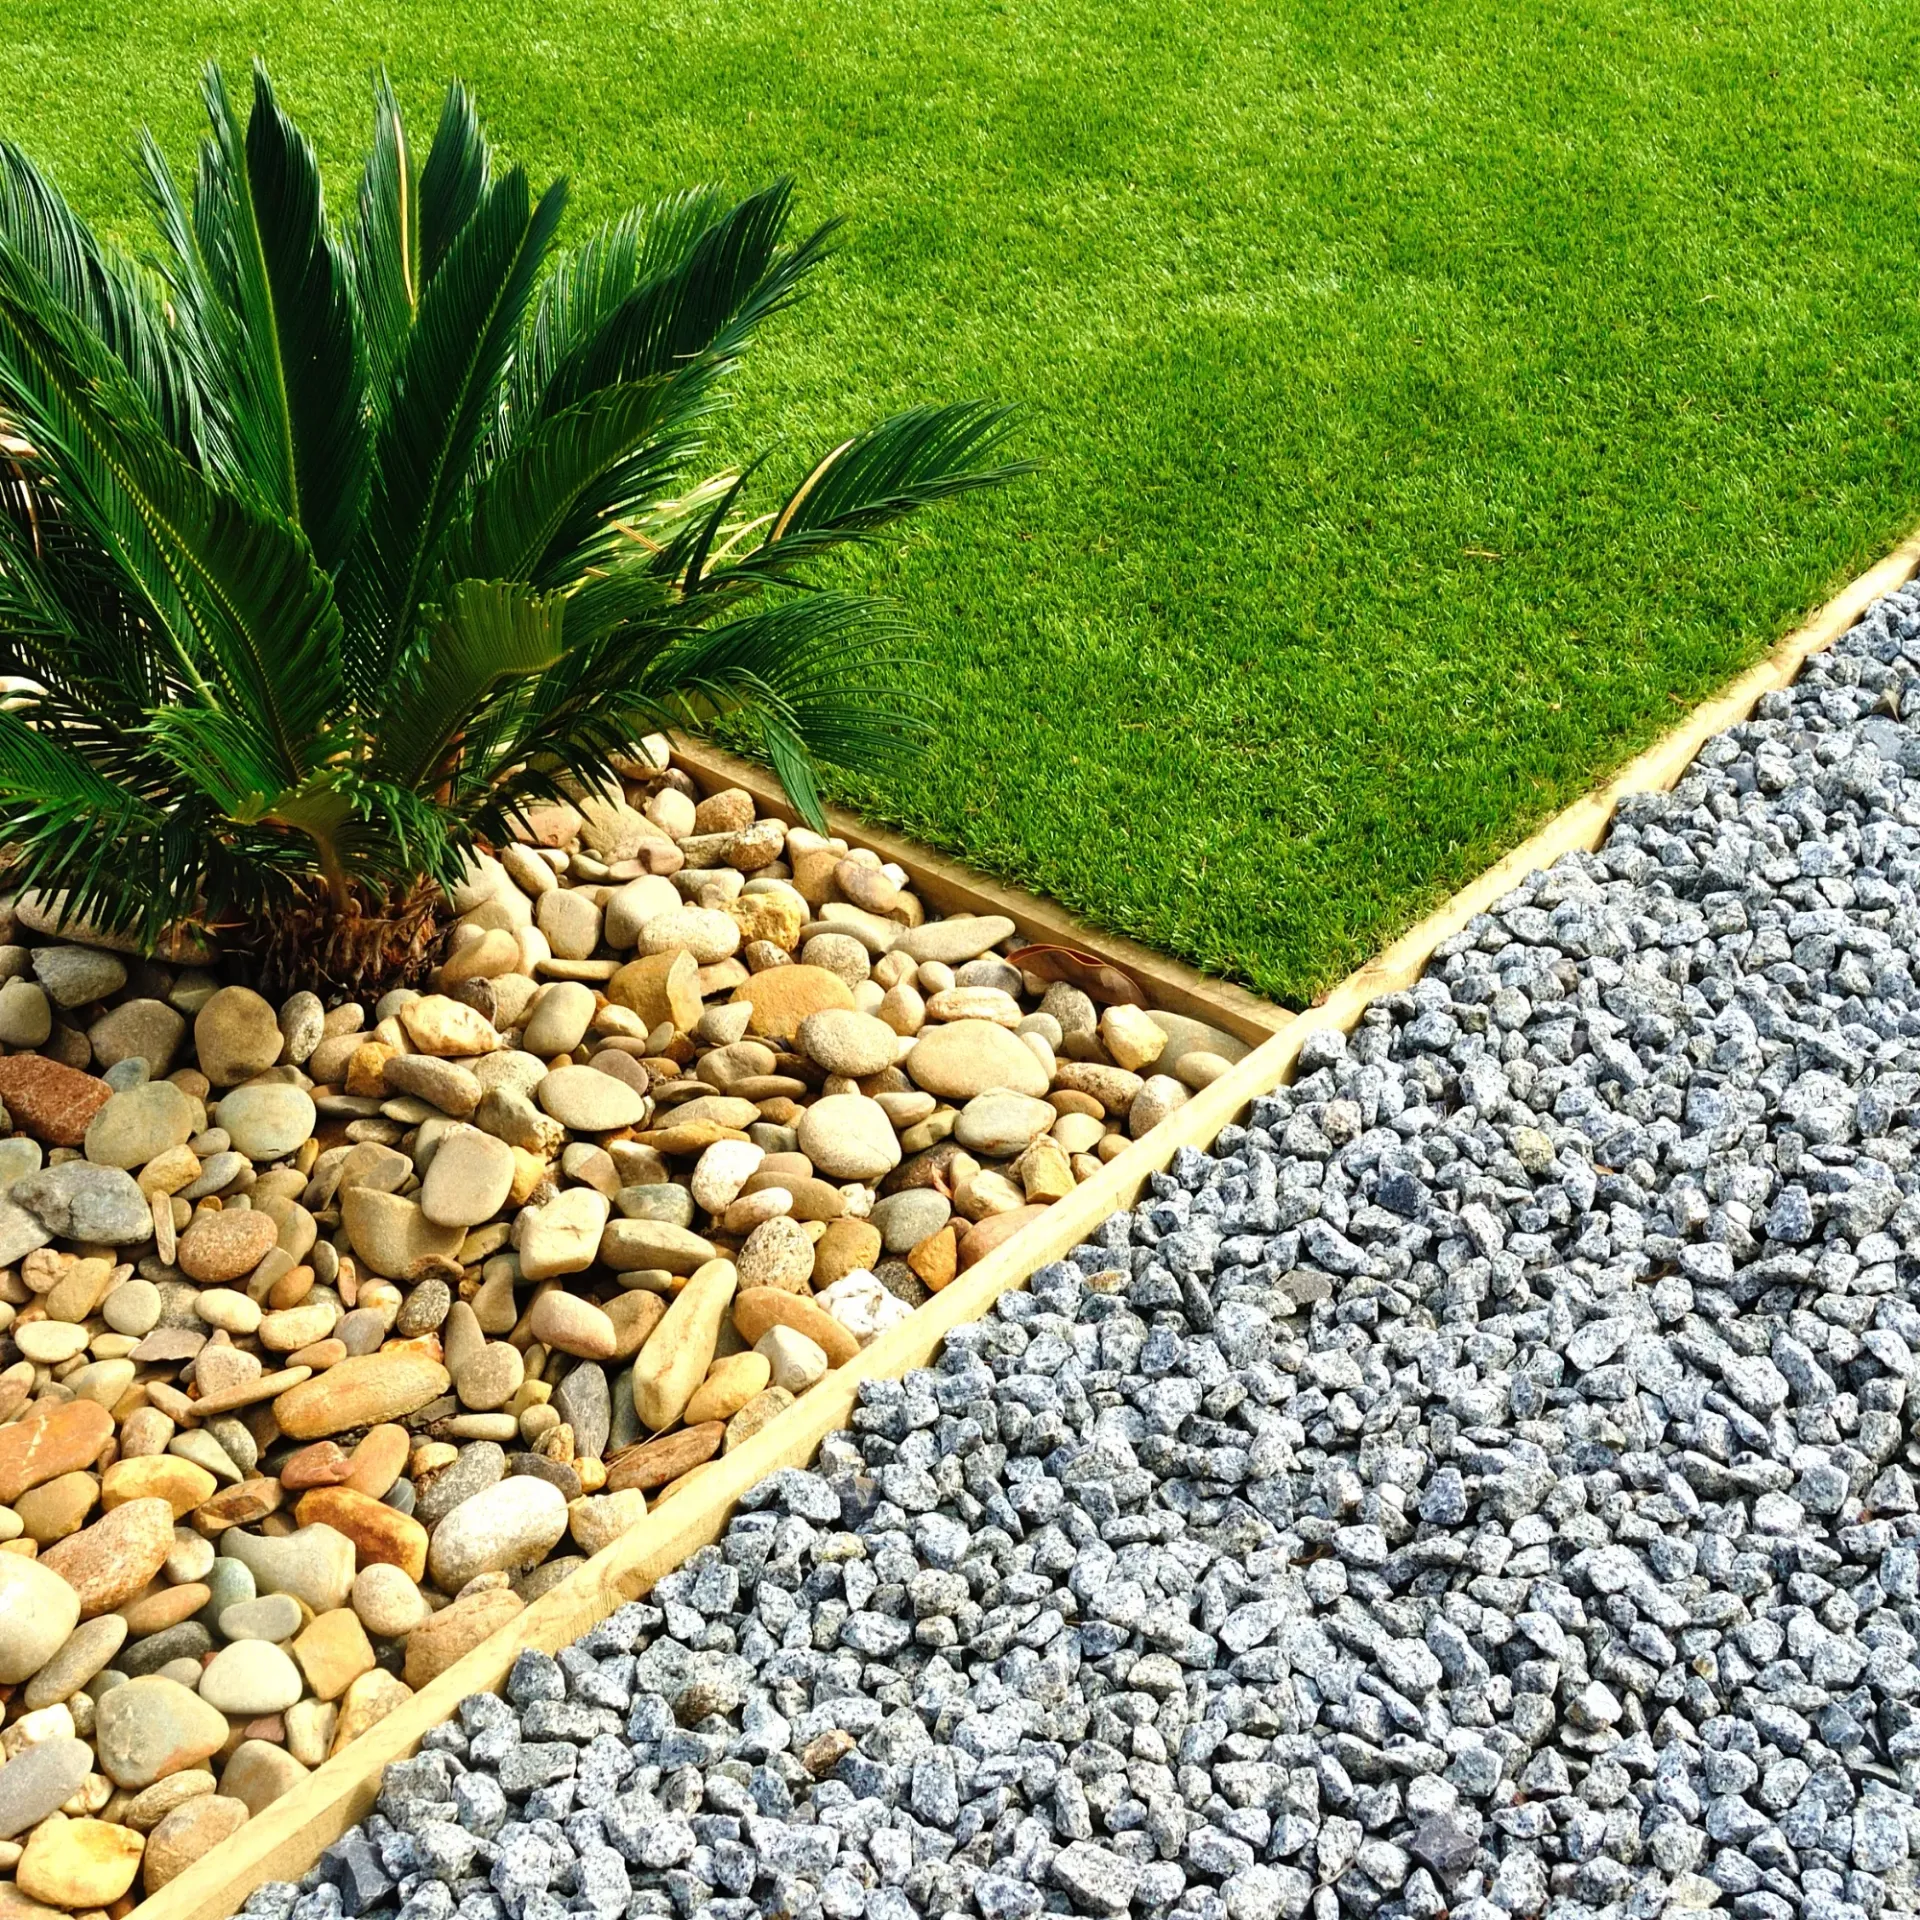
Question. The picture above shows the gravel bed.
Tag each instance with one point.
(1478, 1487)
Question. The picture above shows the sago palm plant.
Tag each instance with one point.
(323, 552)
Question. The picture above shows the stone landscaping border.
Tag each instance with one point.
(285, 1839)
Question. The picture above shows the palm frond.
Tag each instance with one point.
(202, 325)
(72, 830)
(67, 619)
(454, 182)
(103, 290)
(819, 676)
(383, 250)
(589, 282)
(251, 620)
(443, 394)
(697, 310)
(230, 260)
(313, 369)
(907, 462)
(544, 512)
(493, 631)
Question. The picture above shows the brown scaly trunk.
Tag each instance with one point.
(358, 953)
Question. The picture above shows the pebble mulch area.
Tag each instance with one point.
(331, 1338)
(1481, 1486)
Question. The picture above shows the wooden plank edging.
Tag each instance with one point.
(285, 1839)
(953, 888)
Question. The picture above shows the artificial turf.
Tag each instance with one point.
(1433, 397)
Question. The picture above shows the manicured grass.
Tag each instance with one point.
(1435, 397)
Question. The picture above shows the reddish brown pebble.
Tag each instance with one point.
(65, 1439)
(218, 1247)
(825, 1751)
(114, 1558)
(53, 1103)
(324, 1464)
(667, 1458)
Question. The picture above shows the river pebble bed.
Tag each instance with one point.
(1479, 1486)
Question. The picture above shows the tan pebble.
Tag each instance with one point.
(1160, 1096)
(147, 1808)
(378, 1531)
(259, 1773)
(564, 1322)
(793, 1361)
(167, 1173)
(756, 1414)
(57, 1508)
(78, 1863)
(984, 1193)
(675, 1358)
(436, 1644)
(597, 1522)
(310, 1728)
(730, 1383)
(333, 1652)
(48, 1342)
(360, 1392)
(232, 1312)
(1079, 1132)
(155, 1612)
(388, 1603)
(114, 1558)
(846, 1246)
(1130, 1037)
(80, 1290)
(366, 1703)
(660, 989)
(189, 1831)
(378, 1461)
(1044, 1171)
(1200, 1069)
(634, 1315)
(166, 1476)
(656, 1462)
(758, 1309)
(980, 1239)
(937, 1258)
(778, 1253)
(288, 1330)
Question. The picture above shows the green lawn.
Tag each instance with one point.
(1432, 402)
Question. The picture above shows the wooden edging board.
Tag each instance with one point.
(952, 888)
(284, 1840)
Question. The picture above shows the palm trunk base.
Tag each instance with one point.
(359, 954)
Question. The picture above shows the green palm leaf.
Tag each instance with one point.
(104, 291)
(383, 253)
(308, 346)
(911, 461)
(444, 389)
(544, 512)
(589, 282)
(251, 620)
(74, 830)
(230, 260)
(493, 632)
(454, 182)
(698, 310)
